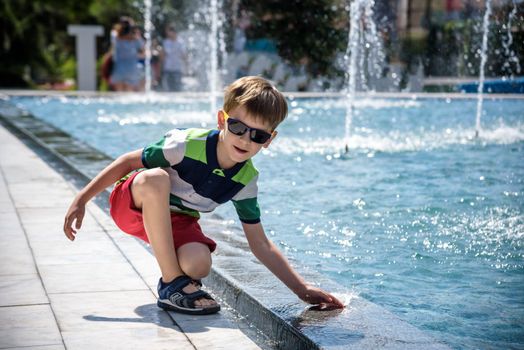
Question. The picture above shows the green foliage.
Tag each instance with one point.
(413, 49)
(453, 47)
(34, 38)
(308, 32)
(35, 45)
(68, 68)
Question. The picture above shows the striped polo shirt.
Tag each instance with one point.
(198, 184)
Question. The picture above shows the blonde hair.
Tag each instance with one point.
(260, 98)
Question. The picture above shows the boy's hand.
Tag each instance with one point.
(75, 213)
(317, 296)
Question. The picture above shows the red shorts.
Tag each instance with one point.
(128, 218)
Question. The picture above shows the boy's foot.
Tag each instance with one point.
(171, 296)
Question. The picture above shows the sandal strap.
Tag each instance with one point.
(179, 283)
(187, 300)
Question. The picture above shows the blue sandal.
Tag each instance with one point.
(172, 297)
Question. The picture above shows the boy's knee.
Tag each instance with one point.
(194, 260)
(197, 271)
(151, 182)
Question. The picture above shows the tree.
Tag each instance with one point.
(308, 32)
(35, 46)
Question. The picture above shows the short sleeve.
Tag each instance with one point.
(246, 203)
(248, 210)
(166, 152)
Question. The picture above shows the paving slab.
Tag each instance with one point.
(93, 277)
(28, 326)
(15, 258)
(21, 289)
(39, 347)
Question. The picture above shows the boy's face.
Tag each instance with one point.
(239, 148)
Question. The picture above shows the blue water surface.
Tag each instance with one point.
(419, 217)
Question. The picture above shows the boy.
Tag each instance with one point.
(191, 171)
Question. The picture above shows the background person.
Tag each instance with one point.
(174, 60)
(141, 63)
(242, 23)
(127, 51)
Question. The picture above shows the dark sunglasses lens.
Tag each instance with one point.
(236, 127)
(259, 136)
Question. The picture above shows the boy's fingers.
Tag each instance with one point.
(68, 230)
(66, 225)
(326, 307)
(336, 301)
(69, 234)
(330, 299)
(78, 223)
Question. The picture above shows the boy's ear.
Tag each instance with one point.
(221, 120)
(268, 142)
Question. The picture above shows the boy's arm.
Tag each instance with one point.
(274, 260)
(112, 173)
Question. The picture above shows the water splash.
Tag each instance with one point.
(160, 116)
(363, 142)
(222, 48)
(355, 13)
(213, 58)
(206, 48)
(148, 29)
(512, 57)
(360, 103)
(365, 48)
(483, 58)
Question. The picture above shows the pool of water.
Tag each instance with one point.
(419, 217)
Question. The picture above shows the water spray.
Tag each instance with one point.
(483, 59)
(365, 50)
(355, 12)
(148, 29)
(213, 73)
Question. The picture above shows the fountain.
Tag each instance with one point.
(214, 49)
(213, 58)
(483, 58)
(363, 42)
(355, 12)
(217, 46)
(148, 29)
(510, 54)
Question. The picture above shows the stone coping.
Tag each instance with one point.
(237, 277)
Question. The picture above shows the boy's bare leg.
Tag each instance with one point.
(150, 190)
(194, 259)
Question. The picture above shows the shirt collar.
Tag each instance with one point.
(211, 155)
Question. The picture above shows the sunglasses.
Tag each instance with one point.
(238, 128)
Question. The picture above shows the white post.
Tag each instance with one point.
(85, 54)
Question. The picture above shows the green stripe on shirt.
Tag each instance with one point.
(196, 144)
(153, 155)
(246, 174)
(247, 210)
